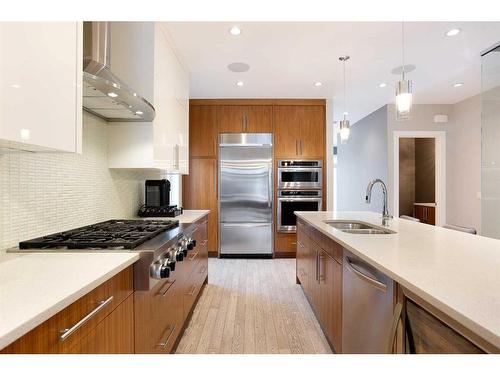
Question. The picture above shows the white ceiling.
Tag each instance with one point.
(286, 58)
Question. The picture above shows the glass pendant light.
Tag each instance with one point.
(344, 123)
(403, 88)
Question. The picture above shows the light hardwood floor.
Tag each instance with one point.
(253, 306)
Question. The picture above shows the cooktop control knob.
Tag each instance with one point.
(158, 270)
(171, 264)
(164, 272)
(179, 256)
(191, 244)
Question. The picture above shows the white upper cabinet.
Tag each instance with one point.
(164, 144)
(40, 85)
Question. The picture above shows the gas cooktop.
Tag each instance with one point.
(111, 234)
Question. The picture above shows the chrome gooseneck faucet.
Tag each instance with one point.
(385, 212)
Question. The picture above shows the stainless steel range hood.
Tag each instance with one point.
(104, 94)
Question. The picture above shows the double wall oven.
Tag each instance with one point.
(300, 184)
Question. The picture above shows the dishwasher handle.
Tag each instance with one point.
(367, 278)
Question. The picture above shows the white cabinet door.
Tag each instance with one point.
(164, 123)
(40, 84)
(169, 146)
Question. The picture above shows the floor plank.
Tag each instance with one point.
(253, 306)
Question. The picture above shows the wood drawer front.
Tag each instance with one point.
(285, 244)
(158, 316)
(194, 283)
(46, 337)
(327, 244)
(190, 293)
(113, 335)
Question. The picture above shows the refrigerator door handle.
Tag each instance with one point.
(269, 186)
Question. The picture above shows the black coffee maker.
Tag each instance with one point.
(157, 197)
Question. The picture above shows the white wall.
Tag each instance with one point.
(422, 118)
(361, 160)
(464, 164)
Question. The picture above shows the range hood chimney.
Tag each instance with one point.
(104, 94)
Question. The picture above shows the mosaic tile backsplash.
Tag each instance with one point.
(43, 193)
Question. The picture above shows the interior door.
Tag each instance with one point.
(312, 131)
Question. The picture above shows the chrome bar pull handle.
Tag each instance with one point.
(165, 343)
(67, 332)
(368, 279)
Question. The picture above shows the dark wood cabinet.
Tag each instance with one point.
(113, 335)
(426, 334)
(298, 128)
(107, 331)
(200, 192)
(162, 312)
(245, 119)
(159, 314)
(285, 245)
(299, 131)
(426, 214)
(202, 131)
(320, 275)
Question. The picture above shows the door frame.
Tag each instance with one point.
(440, 185)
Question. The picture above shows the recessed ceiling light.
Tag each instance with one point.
(318, 84)
(382, 85)
(453, 32)
(15, 86)
(458, 84)
(239, 83)
(112, 94)
(139, 112)
(235, 31)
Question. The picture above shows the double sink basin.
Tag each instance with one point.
(357, 227)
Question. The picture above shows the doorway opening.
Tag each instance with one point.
(419, 176)
(417, 179)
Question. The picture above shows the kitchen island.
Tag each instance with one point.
(456, 274)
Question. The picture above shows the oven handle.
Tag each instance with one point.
(313, 169)
(318, 199)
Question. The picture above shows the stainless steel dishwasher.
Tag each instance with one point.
(367, 307)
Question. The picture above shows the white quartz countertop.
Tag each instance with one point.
(425, 204)
(456, 272)
(187, 216)
(190, 216)
(35, 286)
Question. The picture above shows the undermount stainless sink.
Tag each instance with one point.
(356, 227)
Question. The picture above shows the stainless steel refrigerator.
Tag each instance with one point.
(246, 194)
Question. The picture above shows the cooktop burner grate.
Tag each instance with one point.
(126, 234)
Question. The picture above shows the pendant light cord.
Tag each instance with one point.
(403, 47)
(344, 91)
